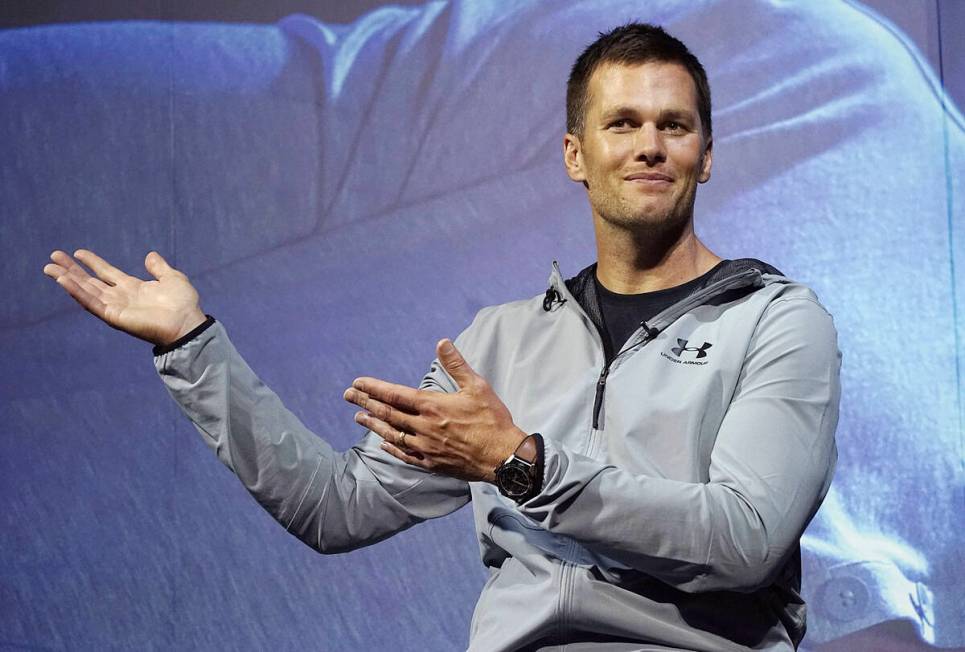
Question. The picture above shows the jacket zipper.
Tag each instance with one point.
(663, 319)
(598, 400)
(604, 373)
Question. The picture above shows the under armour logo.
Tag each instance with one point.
(682, 346)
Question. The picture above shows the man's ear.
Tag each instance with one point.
(573, 158)
(707, 162)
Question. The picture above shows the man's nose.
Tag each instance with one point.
(648, 144)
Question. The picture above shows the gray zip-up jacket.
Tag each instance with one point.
(679, 471)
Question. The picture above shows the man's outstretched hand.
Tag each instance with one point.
(159, 311)
(464, 435)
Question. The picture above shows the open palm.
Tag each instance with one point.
(159, 311)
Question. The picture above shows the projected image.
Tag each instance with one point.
(343, 196)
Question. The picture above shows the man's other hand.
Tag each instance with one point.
(465, 435)
(158, 311)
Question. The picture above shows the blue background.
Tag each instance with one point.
(344, 195)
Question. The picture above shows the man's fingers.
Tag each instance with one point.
(408, 444)
(103, 269)
(95, 285)
(156, 265)
(54, 271)
(85, 297)
(380, 410)
(414, 459)
(60, 259)
(454, 363)
(398, 396)
(64, 264)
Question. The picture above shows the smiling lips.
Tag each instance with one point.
(652, 179)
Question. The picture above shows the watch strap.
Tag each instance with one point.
(528, 453)
(540, 454)
(528, 449)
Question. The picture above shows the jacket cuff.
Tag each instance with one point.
(184, 339)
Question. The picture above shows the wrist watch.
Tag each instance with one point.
(520, 477)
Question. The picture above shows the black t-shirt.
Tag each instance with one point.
(622, 313)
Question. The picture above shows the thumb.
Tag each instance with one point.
(454, 363)
(156, 265)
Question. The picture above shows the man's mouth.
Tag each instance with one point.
(650, 181)
(649, 177)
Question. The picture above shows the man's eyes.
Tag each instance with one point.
(625, 123)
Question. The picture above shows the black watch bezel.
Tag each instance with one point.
(516, 479)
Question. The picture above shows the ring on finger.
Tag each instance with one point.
(400, 440)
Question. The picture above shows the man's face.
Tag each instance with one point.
(642, 152)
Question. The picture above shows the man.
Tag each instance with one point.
(643, 445)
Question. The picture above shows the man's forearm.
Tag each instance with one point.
(332, 501)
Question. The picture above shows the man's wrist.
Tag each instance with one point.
(206, 322)
(191, 323)
(520, 476)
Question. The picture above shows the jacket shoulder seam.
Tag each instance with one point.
(784, 299)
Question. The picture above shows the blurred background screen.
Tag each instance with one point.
(346, 183)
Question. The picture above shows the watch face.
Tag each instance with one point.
(514, 480)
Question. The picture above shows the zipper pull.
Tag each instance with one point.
(598, 399)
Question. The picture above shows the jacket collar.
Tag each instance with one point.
(732, 279)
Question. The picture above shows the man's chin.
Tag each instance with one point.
(649, 226)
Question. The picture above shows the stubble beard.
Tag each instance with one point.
(652, 229)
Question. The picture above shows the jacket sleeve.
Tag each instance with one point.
(334, 502)
(770, 468)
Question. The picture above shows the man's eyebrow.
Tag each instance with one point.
(619, 110)
(678, 114)
(666, 114)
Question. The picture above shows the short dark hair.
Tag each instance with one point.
(633, 43)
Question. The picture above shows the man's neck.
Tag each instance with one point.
(630, 264)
